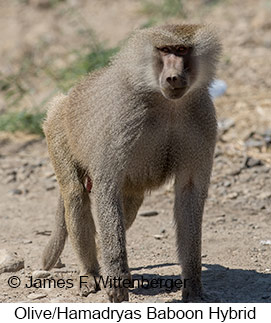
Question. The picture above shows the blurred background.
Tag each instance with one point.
(46, 46)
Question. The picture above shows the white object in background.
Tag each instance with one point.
(217, 88)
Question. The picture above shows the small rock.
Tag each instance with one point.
(49, 174)
(265, 242)
(152, 300)
(233, 195)
(267, 136)
(65, 271)
(16, 191)
(27, 241)
(224, 125)
(227, 183)
(158, 236)
(10, 262)
(50, 187)
(148, 213)
(252, 162)
(264, 195)
(56, 300)
(254, 143)
(12, 173)
(36, 296)
(44, 233)
(261, 21)
(220, 220)
(236, 171)
(10, 179)
(40, 274)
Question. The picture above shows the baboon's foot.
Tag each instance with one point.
(192, 293)
(118, 294)
(88, 284)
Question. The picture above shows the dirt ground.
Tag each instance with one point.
(237, 222)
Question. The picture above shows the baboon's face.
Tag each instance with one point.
(175, 70)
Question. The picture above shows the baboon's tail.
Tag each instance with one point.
(56, 243)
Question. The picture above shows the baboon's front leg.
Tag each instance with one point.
(81, 230)
(131, 204)
(112, 236)
(188, 210)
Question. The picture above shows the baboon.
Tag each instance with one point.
(125, 130)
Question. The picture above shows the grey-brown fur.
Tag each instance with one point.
(117, 128)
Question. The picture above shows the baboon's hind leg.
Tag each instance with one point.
(81, 229)
(78, 218)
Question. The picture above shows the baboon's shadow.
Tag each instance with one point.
(220, 284)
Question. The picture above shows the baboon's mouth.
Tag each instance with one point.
(173, 94)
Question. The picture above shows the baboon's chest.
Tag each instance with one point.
(155, 159)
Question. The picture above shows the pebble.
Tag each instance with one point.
(49, 174)
(252, 162)
(152, 300)
(10, 179)
(220, 220)
(27, 241)
(10, 261)
(227, 183)
(233, 195)
(224, 125)
(236, 171)
(40, 274)
(36, 296)
(56, 300)
(267, 136)
(265, 242)
(254, 143)
(158, 236)
(44, 233)
(16, 191)
(148, 213)
(264, 195)
(50, 187)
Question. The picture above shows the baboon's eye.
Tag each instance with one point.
(164, 49)
(181, 50)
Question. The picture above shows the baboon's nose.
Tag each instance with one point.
(173, 80)
(176, 81)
